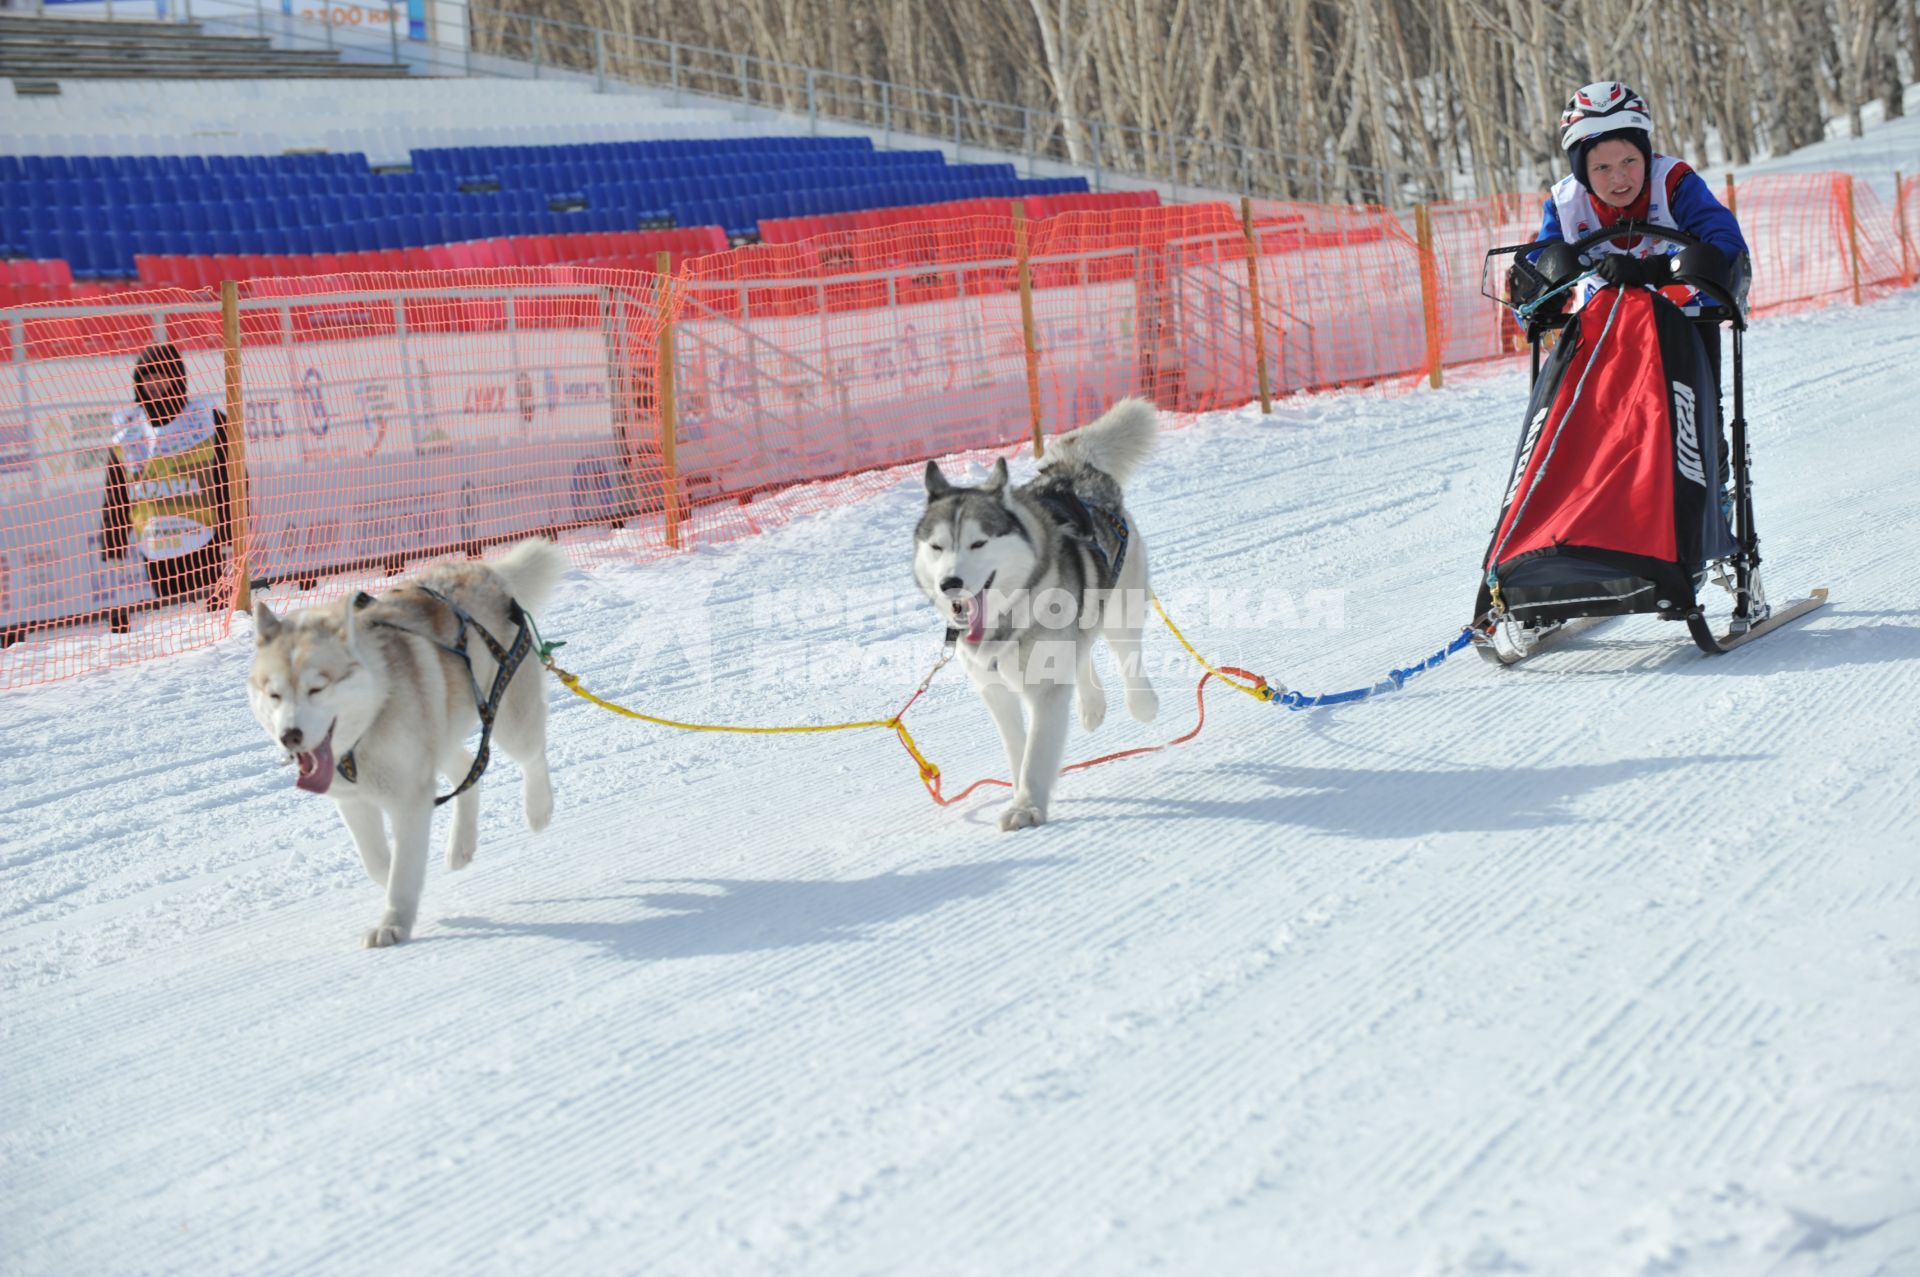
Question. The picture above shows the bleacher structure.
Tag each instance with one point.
(102, 214)
(180, 181)
(170, 180)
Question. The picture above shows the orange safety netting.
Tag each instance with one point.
(1816, 238)
(623, 250)
(66, 376)
(391, 417)
(1476, 327)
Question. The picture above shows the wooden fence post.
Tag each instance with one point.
(1026, 321)
(1429, 291)
(1733, 204)
(1253, 297)
(1853, 234)
(1900, 225)
(664, 396)
(236, 448)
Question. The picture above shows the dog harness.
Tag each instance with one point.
(507, 659)
(1077, 518)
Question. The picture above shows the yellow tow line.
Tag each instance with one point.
(1255, 687)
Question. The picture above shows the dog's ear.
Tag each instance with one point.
(266, 626)
(997, 481)
(355, 624)
(404, 608)
(937, 485)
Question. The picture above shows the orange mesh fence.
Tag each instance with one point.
(620, 250)
(388, 420)
(1873, 239)
(1475, 326)
(395, 417)
(1815, 238)
(66, 551)
(1342, 295)
(790, 230)
(840, 354)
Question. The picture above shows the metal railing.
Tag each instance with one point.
(503, 43)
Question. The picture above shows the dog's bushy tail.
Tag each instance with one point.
(1115, 445)
(531, 569)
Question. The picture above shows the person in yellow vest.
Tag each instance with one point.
(166, 489)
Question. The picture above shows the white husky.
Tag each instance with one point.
(1031, 577)
(368, 698)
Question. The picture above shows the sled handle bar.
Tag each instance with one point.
(1715, 290)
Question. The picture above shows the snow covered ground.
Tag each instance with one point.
(1604, 965)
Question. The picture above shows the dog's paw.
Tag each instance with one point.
(1093, 709)
(1143, 705)
(1021, 815)
(385, 936)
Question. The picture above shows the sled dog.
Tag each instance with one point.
(1030, 577)
(369, 698)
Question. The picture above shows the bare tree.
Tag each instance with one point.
(1384, 101)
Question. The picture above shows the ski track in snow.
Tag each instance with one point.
(1602, 965)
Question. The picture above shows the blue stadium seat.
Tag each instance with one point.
(313, 202)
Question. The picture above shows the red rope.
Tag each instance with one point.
(931, 776)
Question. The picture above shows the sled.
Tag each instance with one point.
(1625, 497)
(1510, 642)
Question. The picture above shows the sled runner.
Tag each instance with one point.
(1625, 496)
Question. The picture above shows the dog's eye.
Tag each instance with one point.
(937, 549)
(274, 697)
(978, 545)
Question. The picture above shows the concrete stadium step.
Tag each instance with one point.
(135, 58)
(274, 59)
(20, 25)
(36, 73)
(44, 42)
(383, 117)
(36, 50)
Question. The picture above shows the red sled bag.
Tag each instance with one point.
(1613, 504)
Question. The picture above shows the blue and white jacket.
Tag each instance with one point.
(1676, 197)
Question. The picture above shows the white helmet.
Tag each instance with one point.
(1606, 106)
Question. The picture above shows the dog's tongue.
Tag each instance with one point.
(316, 766)
(977, 617)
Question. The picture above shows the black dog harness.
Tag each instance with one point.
(507, 658)
(1077, 519)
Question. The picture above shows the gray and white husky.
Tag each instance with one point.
(1031, 577)
(373, 682)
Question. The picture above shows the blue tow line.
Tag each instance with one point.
(1525, 311)
(1393, 682)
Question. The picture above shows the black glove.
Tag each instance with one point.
(1625, 271)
